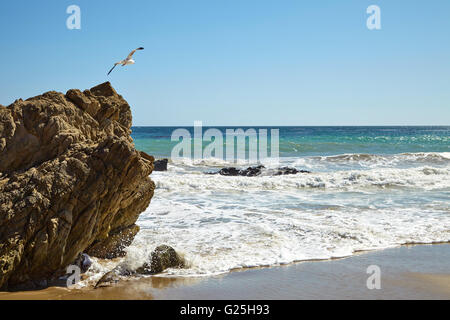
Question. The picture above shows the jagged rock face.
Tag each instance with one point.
(71, 181)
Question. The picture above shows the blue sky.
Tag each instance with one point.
(238, 62)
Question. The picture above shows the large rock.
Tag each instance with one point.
(71, 181)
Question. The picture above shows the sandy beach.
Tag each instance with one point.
(407, 272)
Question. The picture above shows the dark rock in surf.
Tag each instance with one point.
(84, 262)
(162, 258)
(229, 172)
(161, 165)
(249, 172)
(252, 171)
(287, 170)
(114, 276)
(256, 171)
(108, 279)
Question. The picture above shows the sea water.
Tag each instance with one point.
(370, 188)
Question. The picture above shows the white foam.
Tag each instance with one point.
(349, 203)
(216, 240)
(222, 223)
(425, 177)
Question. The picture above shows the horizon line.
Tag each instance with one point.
(293, 126)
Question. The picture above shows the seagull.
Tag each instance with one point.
(127, 61)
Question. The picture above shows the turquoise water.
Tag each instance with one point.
(321, 141)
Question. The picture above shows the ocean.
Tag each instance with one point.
(369, 188)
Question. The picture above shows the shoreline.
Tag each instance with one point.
(419, 271)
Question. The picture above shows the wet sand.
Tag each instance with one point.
(407, 272)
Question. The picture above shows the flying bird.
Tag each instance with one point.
(127, 61)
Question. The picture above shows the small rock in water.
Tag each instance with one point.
(256, 171)
(252, 171)
(229, 172)
(162, 258)
(249, 172)
(86, 262)
(114, 276)
(287, 170)
(83, 262)
(161, 165)
(108, 279)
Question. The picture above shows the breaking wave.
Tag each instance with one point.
(349, 203)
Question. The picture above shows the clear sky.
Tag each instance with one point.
(238, 62)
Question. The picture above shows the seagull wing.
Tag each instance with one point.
(132, 52)
(112, 68)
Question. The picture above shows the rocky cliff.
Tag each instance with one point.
(71, 181)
